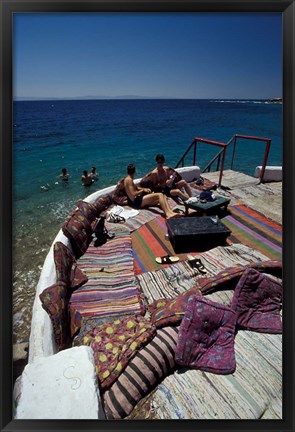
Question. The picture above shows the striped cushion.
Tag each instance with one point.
(150, 365)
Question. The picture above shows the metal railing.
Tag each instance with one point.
(220, 155)
(219, 158)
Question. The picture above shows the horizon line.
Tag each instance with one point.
(36, 98)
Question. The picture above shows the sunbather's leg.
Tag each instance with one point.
(183, 184)
(179, 194)
(158, 198)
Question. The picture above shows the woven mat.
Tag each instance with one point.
(111, 288)
(255, 230)
(172, 280)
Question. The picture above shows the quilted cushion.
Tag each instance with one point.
(165, 312)
(206, 337)
(257, 302)
(55, 300)
(77, 227)
(148, 367)
(119, 195)
(67, 270)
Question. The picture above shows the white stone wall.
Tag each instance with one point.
(61, 386)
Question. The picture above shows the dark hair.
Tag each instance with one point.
(64, 170)
(160, 156)
(85, 172)
(93, 168)
(131, 169)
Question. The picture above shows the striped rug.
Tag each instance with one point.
(172, 280)
(255, 230)
(253, 392)
(248, 227)
(111, 288)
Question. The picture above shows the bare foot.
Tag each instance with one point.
(175, 215)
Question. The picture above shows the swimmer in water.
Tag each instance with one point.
(64, 175)
(86, 178)
(94, 175)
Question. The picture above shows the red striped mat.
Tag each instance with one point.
(248, 227)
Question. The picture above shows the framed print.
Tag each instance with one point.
(147, 239)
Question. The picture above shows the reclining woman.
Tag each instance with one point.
(139, 197)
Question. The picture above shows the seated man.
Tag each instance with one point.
(168, 181)
(137, 198)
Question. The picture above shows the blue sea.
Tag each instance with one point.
(110, 134)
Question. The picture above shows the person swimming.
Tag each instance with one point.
(94, 175)
(64, 175)
(86, 178)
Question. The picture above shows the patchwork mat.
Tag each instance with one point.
(255, 230)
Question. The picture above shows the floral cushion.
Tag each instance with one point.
(115, 343)
(257, 302)
(206, 337)
(55, 300)
(67, 270)
(119, 196)
(144, 372)
(165, 312)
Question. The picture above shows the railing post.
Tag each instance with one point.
(222, 166)
(264, 160)
(195, 152)
(234, 151)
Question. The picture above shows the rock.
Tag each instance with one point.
(20, 358)
(20, 351)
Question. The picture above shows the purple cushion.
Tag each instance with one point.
(55, 300)
(119, 196)
(77, 227)
(166, 311)
(257, 302)
(228, 277)
(102, 203)
(206, 337)
(67, 270)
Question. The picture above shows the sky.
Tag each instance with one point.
(156, 55)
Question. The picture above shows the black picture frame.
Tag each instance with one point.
(8, 8)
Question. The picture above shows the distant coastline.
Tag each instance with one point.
(132, 97)
(274, 100)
